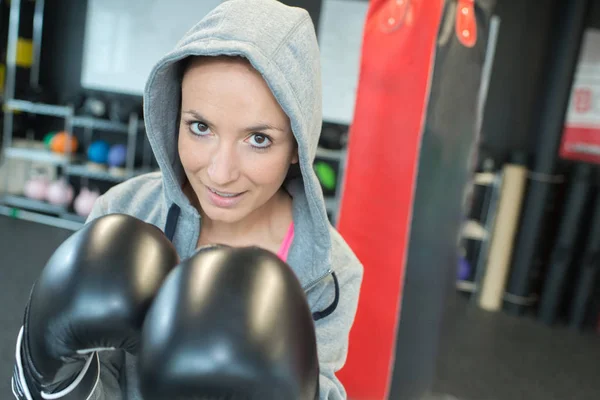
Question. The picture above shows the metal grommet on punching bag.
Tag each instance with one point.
(466, 23)
(394, 15)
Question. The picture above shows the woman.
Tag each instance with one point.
(233, 115)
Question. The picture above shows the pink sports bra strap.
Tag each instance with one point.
(287, 243)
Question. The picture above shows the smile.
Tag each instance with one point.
(224, 199)
(224, 194)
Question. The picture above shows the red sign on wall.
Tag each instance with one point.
(581, 136)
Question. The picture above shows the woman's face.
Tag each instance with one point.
(235, 141)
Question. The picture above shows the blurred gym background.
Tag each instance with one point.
(515, 313)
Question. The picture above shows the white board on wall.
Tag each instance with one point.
(125, 38)
(341, 28)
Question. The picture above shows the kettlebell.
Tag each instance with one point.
(85, 201)
(60, 193)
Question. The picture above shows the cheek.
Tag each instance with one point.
(268, 169)
(189, 153)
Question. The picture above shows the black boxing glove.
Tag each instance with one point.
(92, 295)
(229, 323)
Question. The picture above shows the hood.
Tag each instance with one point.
(280, 42)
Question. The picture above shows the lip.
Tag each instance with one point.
(223, 202)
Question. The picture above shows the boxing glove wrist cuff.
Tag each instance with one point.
(82, 387)
(20, 388)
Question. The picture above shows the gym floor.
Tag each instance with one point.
(483, 356)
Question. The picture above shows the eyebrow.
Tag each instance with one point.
(258, 127)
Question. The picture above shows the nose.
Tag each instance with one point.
(223, 168)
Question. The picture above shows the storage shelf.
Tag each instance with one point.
(100, 124)
(31, 204)
(466, 286)
(474, 230)
(73, 217)
(32, 154)
(39, 218)
(327, 154)
(64, 111)
(85, 171)
(20, 207)
(38, 108)
(484, 178)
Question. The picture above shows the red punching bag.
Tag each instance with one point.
(396, 64)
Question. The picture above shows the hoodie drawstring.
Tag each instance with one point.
(172, 218)
(329, 310)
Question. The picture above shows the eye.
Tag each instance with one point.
(260, 140)
(198, 128)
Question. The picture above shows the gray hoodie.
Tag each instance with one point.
(281, 44)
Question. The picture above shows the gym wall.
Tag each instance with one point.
(63, 46)
(522, 51)
(522, 47)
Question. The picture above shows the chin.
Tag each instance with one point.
(228, 215)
